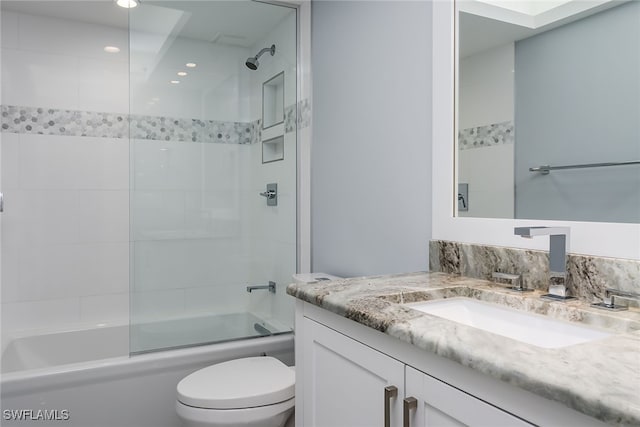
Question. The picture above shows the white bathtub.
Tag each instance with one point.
(87, 376)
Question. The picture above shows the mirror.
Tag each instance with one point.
(548, 110)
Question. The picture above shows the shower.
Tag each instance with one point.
(252, 62)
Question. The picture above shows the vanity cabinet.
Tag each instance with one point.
(346, 375)
(347, 383)
(439, 404)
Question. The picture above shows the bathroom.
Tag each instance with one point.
(148, 233)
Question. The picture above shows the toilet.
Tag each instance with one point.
(248, 392)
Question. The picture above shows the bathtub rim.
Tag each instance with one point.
(22, 382)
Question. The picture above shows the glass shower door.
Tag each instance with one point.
(201, 154)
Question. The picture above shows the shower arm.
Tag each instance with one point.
(271, 49)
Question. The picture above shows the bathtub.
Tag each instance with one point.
(86, 378)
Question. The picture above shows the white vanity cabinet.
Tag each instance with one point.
(439, 404)
(343, 369)
(347, 383)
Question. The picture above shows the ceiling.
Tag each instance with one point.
(483, 28)
(239, 23)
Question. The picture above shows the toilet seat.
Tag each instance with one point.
(237, 384)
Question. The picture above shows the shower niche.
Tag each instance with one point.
(273, 149)
(273, 101)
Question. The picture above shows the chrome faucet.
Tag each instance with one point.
(271, 287)
(558, 249)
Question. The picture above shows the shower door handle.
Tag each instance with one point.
(1, 202)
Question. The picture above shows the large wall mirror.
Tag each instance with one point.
(548, 92)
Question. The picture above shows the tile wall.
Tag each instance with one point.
(199, 231)
(65, 236)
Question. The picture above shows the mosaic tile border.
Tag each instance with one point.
(300, 120)
(486, 136)
(52, 121)
(587, 276)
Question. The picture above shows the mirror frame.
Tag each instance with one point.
(618, 240)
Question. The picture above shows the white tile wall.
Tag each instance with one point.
(103, 216)
(166, 165)
(196, 207)
(35, 79)
(94, 94)
(39, 217)
(71, 38)
(39, 314)
(104, 308)
(10, 149)
(227, 298)
(157, 305)
(61, 64)
(212, 90)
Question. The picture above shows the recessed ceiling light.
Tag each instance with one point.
(127, 4)
(175, 82)
(111, 49)
(191, 64)
(182, 73)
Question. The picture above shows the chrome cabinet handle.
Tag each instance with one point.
(408, 404)
(390, 392)
(1, 203)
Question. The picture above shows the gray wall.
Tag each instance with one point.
(371, 153)
(578, 101)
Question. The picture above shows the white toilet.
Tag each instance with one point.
(249, 392)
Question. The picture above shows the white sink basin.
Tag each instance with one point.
(529, 328)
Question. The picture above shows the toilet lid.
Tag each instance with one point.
(240, 383)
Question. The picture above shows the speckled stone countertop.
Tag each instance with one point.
(600, 378)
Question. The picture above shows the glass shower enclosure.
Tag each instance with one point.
(212, 171)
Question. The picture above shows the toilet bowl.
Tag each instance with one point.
(249, 392)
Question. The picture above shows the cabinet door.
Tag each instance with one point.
(440, 405)
(344, 381)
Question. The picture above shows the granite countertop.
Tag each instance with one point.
(600, 378)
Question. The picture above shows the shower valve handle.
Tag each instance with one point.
(270, 194)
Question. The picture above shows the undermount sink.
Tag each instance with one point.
(529, 328)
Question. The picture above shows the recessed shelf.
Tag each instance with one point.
(273, 101)
(273, 149)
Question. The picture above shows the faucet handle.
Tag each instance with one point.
(609, 303)
(515, 279)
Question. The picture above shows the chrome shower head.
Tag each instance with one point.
(252, 62)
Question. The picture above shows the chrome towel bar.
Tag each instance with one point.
(544, 169)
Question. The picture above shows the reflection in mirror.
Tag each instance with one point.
(554, 86)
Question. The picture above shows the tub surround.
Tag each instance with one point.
(603, 377)
(588, 276)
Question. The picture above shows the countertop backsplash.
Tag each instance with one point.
(587, 277)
